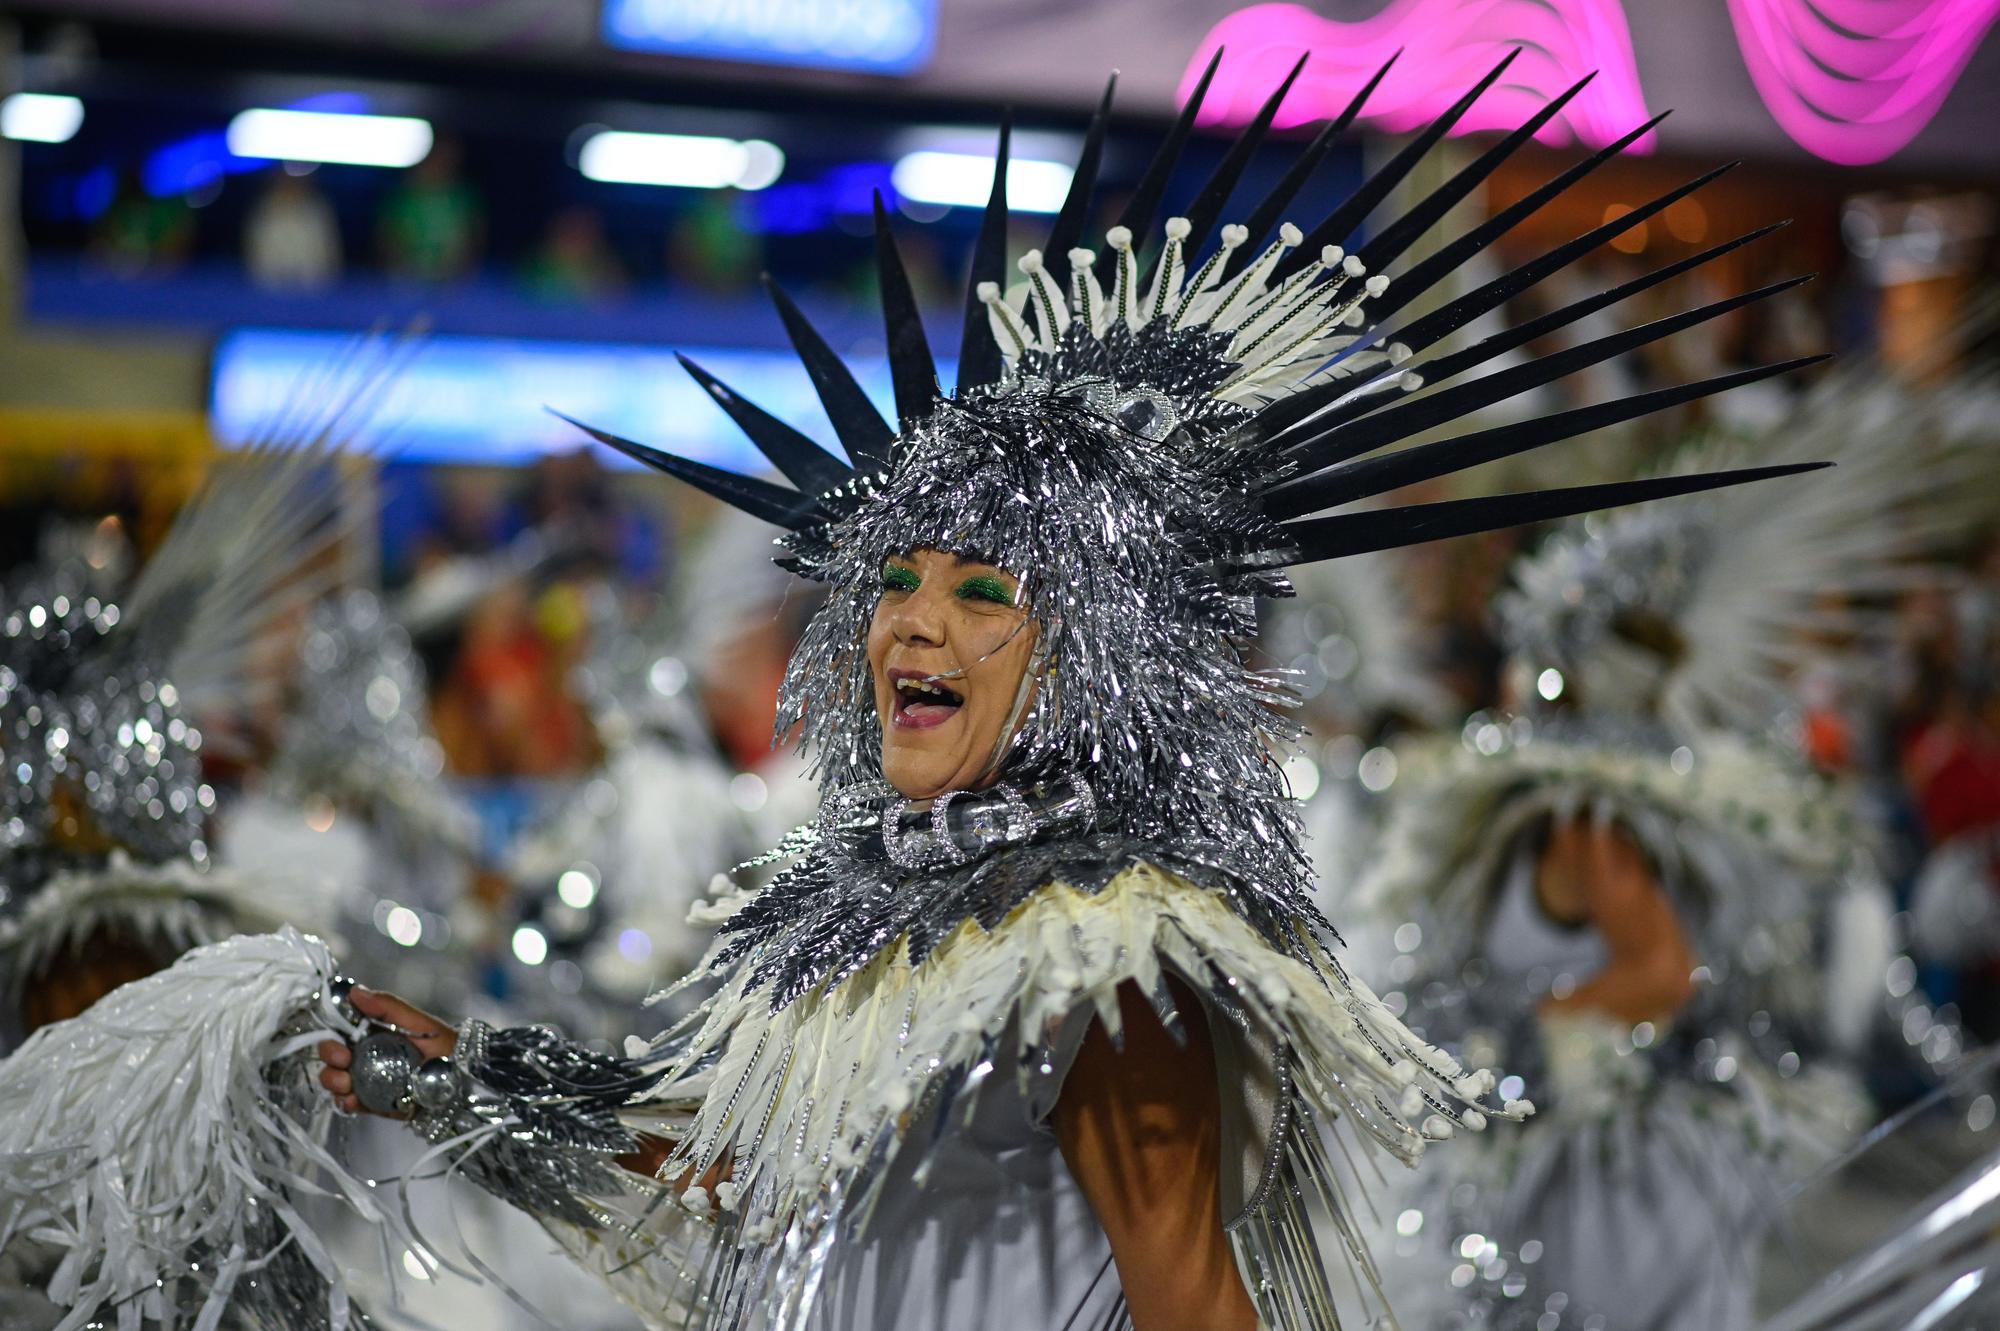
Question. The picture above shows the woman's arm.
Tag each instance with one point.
(1649, 976)
(1141, 1131)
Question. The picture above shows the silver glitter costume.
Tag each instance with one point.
(357, 734)
(1147, 454)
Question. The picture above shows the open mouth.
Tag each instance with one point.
(920, 701)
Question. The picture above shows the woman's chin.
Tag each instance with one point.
(915, 781)
(920, 775)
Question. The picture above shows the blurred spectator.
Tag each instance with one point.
(291, 240)
(142, 234)
(505, 708)
(574, 264)
(433, 224)
(710, 248)
(589, 528)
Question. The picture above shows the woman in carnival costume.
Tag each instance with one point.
(1038, 1025)
(1635, 893)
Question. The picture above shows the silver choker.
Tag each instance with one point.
(960, 826)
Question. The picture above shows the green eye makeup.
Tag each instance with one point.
(984, 587)
(897, 578)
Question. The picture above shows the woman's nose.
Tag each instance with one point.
(918, 621)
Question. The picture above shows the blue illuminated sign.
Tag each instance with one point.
(873, 36)
(486, 400)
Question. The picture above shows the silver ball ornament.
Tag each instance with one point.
(436, 1085)
(383, 1066)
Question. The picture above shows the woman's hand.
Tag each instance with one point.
(1648, 975)
(433, 1039)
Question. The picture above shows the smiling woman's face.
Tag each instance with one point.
(941, 615)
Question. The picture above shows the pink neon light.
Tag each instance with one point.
(1447, 46)
(1855, 80)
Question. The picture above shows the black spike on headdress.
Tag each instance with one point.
(776, 505)
(979, 359)
(1447, 259)
(1152, 187)
(804, 463)
(861, 429)
(1271, 211)
(1340, 224)
(1379, 475)
(1446, 367)
(1214, 194)
(912, 371)
(1454, 315)
(1067, 233)
(1311, 407)
(1406, 420)
(1386, 528)
(1388, 244)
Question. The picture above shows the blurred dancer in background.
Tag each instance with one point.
(106, 873)
(1633, 891)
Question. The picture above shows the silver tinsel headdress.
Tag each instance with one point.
(358, 730)
(1700, 613)
(1148, 447)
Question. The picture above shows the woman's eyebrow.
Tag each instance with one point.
(960, 563)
